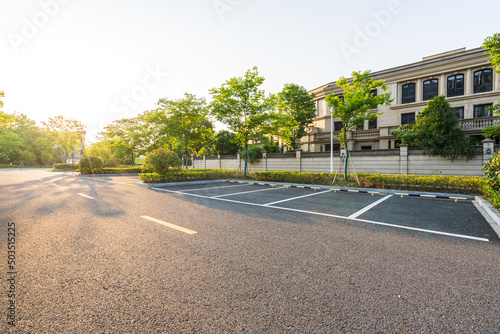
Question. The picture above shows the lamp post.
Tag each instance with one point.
(331, 140)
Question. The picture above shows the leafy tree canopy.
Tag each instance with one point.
(492, 46)
(243, 106)
(296, 109)
(438, 130)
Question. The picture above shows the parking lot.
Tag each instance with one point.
(455, 217)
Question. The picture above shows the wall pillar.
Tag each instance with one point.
(403, 159)
(264, 156)
(488, 149)
(220, 162)
(204, 161)
(298, 155)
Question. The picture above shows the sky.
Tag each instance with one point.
(98, 61)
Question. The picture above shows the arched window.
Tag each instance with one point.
(455, 85)
(483, 80)
(408, 93)
(430, 89)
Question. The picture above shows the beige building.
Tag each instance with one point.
(465, 77)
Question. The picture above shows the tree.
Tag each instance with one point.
(226, 143)
(69, 133)
(125, 135)
(357, 103)
(186, 120)
(492, 46)
(438, 130)
(11, 145)
(5, 119)
(243, 106)
(296, 109)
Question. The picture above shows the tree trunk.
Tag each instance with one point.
(246, 157)
(346, 154)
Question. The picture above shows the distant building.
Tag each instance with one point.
(465, 77)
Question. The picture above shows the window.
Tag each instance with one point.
(408, 118)
(328, 148)
(360, 127)
(430, 89)
(372, 124)
(483, 81)
(408, 93)
(455, 85)
(459, 112)
(366, 148)
(337, 126)
(482, 110)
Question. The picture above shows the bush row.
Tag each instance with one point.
(176, 175)
(450, 184)
(66, 166)
(128, 170)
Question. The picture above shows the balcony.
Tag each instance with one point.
(477, 124)
(366, 134)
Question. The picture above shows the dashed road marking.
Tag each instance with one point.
(173, 226)
(86, 196)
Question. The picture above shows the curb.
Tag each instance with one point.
(370, 191)
(153, 185)
(491, 212)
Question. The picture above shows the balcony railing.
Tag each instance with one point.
(365, 134)
(479, 123)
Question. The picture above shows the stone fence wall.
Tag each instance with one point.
(396, 161)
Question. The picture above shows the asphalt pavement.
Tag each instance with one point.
(101, 255)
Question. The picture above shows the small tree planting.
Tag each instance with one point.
(160, 160)
(90, 165)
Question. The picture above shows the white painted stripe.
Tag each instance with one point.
(428, 196)
(56, 185)
(175, 227)
(400, 194)
(245, 192)
(109, 181)
(353, 191)
(236, 185)
(86, 196)
(332, 216)
(294, 198)
(369, 207)
(386, 224)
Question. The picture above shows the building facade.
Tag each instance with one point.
(465, 77)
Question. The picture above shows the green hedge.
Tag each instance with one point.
(191, 175)
(128, 170)
(449, 184)
(65, 166)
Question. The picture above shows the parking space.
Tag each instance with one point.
(426, 215)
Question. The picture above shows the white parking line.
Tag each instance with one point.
(245, 192)
(175, 227)
(294, 198)
(86, 196)
(237, 185)
(360, 212)
(329, 215)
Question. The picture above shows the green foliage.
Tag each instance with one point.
(191, 175)
(226, 143)
(407, 134)
(254, 153)
(11, 145)
(125, 137)
(492, 173)
(90, 165)
(438, 130)
(356, 104)
(296, 109)
(68, 134)
(243, 106)
(492, 46)
(65, 166)
(186, 120)
(160, 160)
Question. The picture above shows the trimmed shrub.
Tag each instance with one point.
(90, 165)
(159, 161)
(66, 166)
